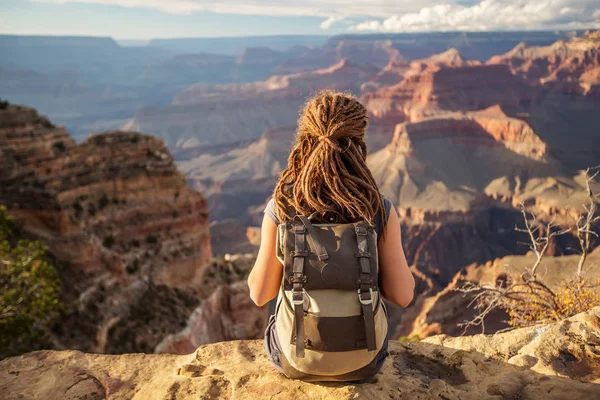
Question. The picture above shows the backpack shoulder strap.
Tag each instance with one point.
(365, 291)
(300, 253)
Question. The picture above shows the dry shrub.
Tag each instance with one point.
(528, 299)
(539, 305)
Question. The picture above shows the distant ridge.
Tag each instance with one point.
(236, 45)
(43, 40)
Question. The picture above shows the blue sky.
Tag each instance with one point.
(145, 19)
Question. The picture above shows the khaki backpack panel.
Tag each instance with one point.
(367, 371)
(323, 363)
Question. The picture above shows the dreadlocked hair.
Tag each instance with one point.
(327, 172)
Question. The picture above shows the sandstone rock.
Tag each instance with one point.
(570, 348)
(443, 312)
(225, 311)
(240, 370)
(574, 63)
(435, 88)
(458, 180)
(523, 360)
(113, 203)
(230, 269)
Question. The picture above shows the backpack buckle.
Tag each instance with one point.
(298, 297)
(299, 229)
(298, 279)
(302, 253)
(367, 301)
(360, 230)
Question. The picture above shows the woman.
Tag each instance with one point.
(327, 179)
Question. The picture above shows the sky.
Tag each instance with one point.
(147, 19)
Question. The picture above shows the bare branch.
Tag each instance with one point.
(584, 224)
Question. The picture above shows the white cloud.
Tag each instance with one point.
(328, 23)
(324, 8)
(493, 15)
(398, 15)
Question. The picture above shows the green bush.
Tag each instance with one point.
(29, 296)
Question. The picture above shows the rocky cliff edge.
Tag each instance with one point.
(557, 361)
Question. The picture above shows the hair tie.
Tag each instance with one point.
(329, 142)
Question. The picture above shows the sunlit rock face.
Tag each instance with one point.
(113, 203)
(567, 75)
(119, 219)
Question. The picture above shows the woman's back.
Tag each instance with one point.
(328, 239)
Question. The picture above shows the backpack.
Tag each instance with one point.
(330, 318)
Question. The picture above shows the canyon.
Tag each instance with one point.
(91, 84)
(156, 232)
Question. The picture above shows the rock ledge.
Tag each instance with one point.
(240, 370)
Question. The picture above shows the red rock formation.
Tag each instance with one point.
(390, 75)
(450, 58)
(457, 181)
(443, 312)
(434, 86)
(114, 211)
(95, 202)
(567, 76)
(437, 89)
(228, 314)
(572, 66)
(448, 154)
(398, 69)
(226, 311)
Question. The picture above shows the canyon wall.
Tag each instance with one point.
(125, 229)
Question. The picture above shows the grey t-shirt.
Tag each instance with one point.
(272, 212)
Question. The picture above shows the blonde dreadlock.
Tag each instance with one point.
(326, 171)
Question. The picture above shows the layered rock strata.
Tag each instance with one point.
(113, 203)
(118, 216)
(567, 76)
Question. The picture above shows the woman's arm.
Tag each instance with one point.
(265, 278)
(398, 283)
